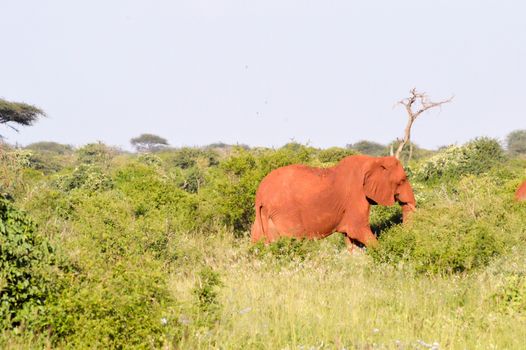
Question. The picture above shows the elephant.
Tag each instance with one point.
(300, 201)
(520, 194)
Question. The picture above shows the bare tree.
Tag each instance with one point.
(416, 104)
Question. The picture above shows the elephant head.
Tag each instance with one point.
(385, 183)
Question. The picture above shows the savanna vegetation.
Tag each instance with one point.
(105, 249)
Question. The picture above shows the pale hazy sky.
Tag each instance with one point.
(263, 72)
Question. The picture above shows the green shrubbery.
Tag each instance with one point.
(149, 243)
(26, 259)
(475, 157)
(460, 228)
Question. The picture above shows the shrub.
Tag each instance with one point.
(148, 191)
(231, 191)
(50, 147)
(511, 296)
(24, 261)
(95, 153)
(206, 296)
(12, 164)
(334, 154)
(475, 157)
(86, 176)
(370, 148)
(188, 157)
(459, 230)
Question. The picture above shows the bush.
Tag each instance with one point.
(206, 296)
(95, 153)
(511, 296)
(475, 157)
(370, 148)
(231, 188)
(50, 147)
(187, 157)
(25, 258)
(334, 154)
(12, 165)
(460, 230)
(86, 176)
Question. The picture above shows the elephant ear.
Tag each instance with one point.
(377, 184)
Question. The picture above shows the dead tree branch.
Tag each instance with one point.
(420, 101)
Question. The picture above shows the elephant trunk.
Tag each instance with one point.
(406, 198)
(407, 210)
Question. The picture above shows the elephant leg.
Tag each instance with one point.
(364, 236)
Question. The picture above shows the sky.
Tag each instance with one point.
(263, 72)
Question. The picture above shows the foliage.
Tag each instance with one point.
(19, 113)
(468, 226)
(285, 249)
(12, 164)
(334, 154)
(475, 157)
(206, 295)
(187, 157)
(95, 153)
(516, 142)
(24, 258)
(233, 184)
(369, 148)
(511, 297)
(157, 257)
(51, 147)
(148, 143)
(85, 176)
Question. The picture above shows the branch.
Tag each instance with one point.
(425, 104)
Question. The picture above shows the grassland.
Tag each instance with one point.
(151, 251)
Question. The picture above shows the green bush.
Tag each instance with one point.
(86, 176)
(206, 296)
(25, 259)
(334, 154)
(370, 148)
(475, 157)
(188, 157)
(150, 192)
(231, 191)
(459, 230)
(511, 296)
(95, 153)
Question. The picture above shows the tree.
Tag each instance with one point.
(516, 142)
(369, 147)
(148, 143)
(420, 101)
(18, 113)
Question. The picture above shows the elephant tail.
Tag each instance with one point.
(258, 231)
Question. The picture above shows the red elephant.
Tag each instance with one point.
(520, 194)
(305, 202)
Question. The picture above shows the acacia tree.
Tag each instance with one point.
(148, 143)
(18, 113)
(416, 104)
